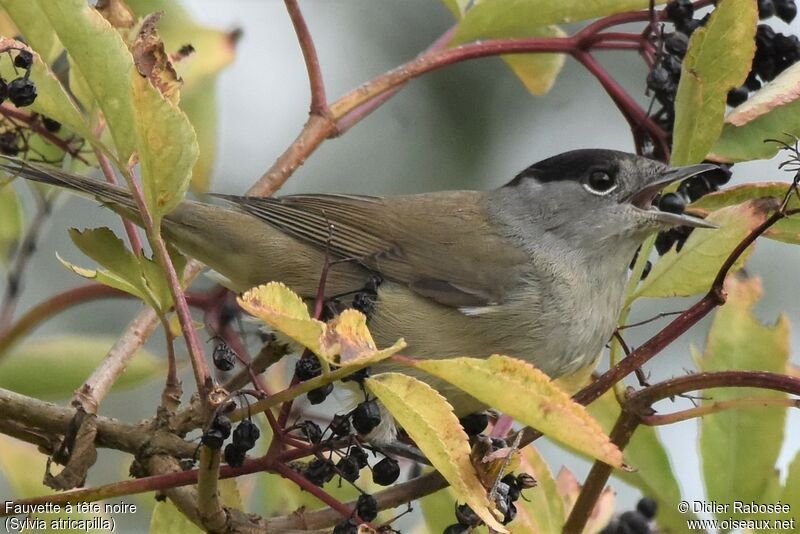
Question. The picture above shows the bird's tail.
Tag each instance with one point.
(116, 197)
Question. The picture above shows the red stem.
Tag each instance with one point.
(319, 103)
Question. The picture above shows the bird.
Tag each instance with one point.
(534, 269)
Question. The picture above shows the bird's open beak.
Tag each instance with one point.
(643, 199)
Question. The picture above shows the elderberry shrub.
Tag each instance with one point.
(22, 92)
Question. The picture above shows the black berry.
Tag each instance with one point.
(474, 423)
(766, 9)
(367, 507)
(246, 435)
(635, 522)
(234, 456)
(672, 203)
(307, 368)
(223, 424)
(366, 416)
(9, 143)
(466, 516)
(22, 92)
(664, 242)
(213, 438)
(23, 60)
(677, 43)
(360, 456)
(51, 125)
(319, 471)
(679, 11)
(513, 489)
(786, 10)
(359, 376)
(647, 507)
(386, 471)
(348, 468)
(348, 526)
(456, 528)
(318, 395)
(737, 96)
(311, 431)
(223, 356)
(3, 90)
(340, 425)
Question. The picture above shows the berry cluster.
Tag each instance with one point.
(21, 91)
(635, 521)
(245, 436)
(508, 492)
(775, 52)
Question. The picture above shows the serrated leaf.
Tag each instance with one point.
(214, 50)
(654, 474)
(772, 112)
(718, 59)
(429, 420)
(344, 341)
(507, 17)
(125, 271)
(693, 269)
(102, 58)
(528, 395)
(786, 230)
(53, 367)
(542, 509)
(10, 222)
(739, 447)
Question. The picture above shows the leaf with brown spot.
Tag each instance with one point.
(152, 61)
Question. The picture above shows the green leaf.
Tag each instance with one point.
(739, 447)
(786, 230)
(537, 71)
(654, 475)
(456, 7)
(437, 509)
(214, 50)
(528, 395)
(693, 269)
(773, 112)
(167, 147)
(139, 276)
(429, 420)
(718, 59)
(10, 222)
(53, 367)
(543, 507)
(514, 17)
(102, 58)
(18, 463)
(29, 20)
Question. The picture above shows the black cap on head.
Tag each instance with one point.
(571, 165)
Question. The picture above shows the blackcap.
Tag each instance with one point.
(535, 269)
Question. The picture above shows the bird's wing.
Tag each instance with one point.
(459, 261)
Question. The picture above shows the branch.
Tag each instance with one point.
(319, 104)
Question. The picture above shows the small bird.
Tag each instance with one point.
(535, 269)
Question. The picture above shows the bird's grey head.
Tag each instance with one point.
(592, 196)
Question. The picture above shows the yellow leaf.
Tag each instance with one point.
(344, 341)
(519, 389)
(431, 423)
(284, 310)
(542, 509)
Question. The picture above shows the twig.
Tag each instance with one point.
(719, 406)
(319, 104)
(23, 254)
(212, 515)
(32, 121)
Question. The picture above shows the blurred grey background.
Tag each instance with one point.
(471, 125)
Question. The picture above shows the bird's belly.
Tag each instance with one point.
(556, 344)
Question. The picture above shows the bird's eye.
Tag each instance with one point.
(600, 182)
